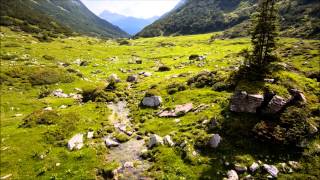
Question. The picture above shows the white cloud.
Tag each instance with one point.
(135, 8)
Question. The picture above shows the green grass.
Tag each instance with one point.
(20, 96)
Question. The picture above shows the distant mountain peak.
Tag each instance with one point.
(131, 25)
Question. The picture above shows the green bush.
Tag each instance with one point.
(176, 87)
(202, 79)
(98, 95)
(40, 117)
(44, 76)
(164, 68)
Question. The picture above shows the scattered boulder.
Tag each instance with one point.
(214, 141)
(243, 102)
(84, 63)
(232, 175)
(59, 93)
(132, 78)
(295, 165)
(255, 166)
(155, 140)
(90, 134)
(178, 111)
(240, 168)
(276, 104)
(196, 57)
(271, 169)
(114, 78)
(167, 141)
(111, 143)
(146, 74)
(298, 95)
(76, 142)
(152, 101)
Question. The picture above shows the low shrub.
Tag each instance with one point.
(176, 87)
(98, 95)
(202, 79)
(40, 117)
(121, 137)
(44, 76)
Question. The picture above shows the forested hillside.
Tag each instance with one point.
(298, 18)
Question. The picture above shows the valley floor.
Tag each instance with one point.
(42, 108)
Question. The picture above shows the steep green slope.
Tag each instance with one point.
(299, 18)
(56, 16)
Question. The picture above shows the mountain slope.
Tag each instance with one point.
(298, 18)
(56, 16)
(131, 25)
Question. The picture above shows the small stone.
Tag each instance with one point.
(271, 169)
(58, 164)
(48, 109)
(63, 107)
(295, 165)
(232, 175)
(240, 168)
(254, 167)
(90, 134)
(177, 120)
(155, 140)
(114, 77)
(111, 143)
(214, 140)
(132, 78)
(18, 115)
(128, 165)
(76, 142)
(167, 140)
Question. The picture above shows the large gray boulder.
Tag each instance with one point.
(243, 102)
(76, 142)
(152, 101)
(214, 141)
(276, 104)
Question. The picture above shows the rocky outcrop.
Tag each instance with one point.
(214, 141)
(243, 102)
(276, 104)
(178, 111)
(152, 101)
(76, 142)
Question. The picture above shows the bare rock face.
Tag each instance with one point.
(276, 104)
(243, 102)
(153, 101)
(76, 142)
(215, 140)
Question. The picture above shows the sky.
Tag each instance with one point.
(135, 8)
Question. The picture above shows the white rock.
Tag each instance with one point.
(6, 176)
(128, 165)
(147, 74)
(63, 107)
(271, 169)
(48, 109)
(177, 120)
(58, 164)
(76, 142)
(111, 143)
(254, 167)
(232, 175)
(167, 141)
(215, 140)
(18, 115)
(90, 134)
(155, 140)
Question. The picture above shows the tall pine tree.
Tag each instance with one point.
(264, 35)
